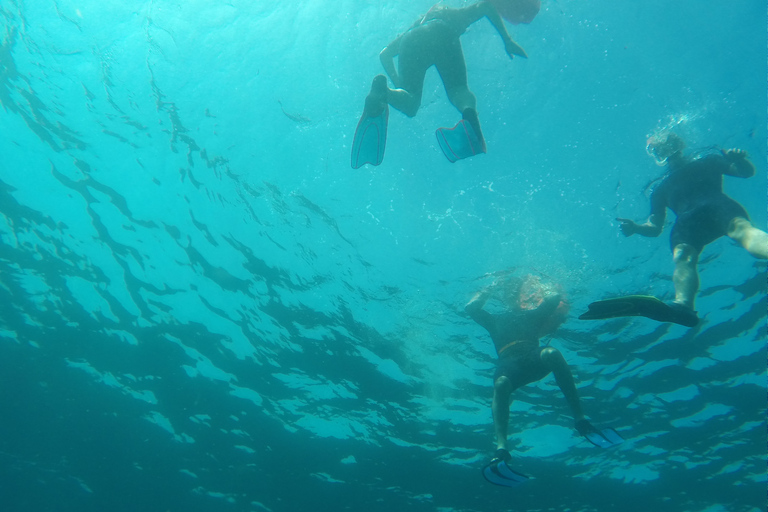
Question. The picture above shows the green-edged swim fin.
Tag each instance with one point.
(371, 133)
(641, 305)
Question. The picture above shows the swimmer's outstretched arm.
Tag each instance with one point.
(651, 227)
(474, 309)
(741, 166)
(490, 12)
(477, 302)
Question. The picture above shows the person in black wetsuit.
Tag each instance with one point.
(433, 40)
(534, 310)
(693, 190)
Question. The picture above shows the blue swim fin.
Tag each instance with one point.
(498, 473)
(371, 133)
(459, 142)
(604, 438)
(370, 140)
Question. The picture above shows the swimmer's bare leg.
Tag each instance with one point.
(754, 240)
(686, 276)
(502, 390)
(406, 97)
(465, 102)
(554, 361)
(377, 98)
(404, 101)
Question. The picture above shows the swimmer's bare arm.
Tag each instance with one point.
(387, 58)
(651, 227)
(740, 165)
(486, 9)
(464, 17)
(474, 308)
(477, 302)
(549, 304)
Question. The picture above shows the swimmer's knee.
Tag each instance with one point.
(411, 111)
(462, 98)
(405, 100)
(501, 384)
(739, 227)
(748, 236)
(412, 105)
(685, 253)
(550, 356)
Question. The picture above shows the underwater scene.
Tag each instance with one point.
(306, 255)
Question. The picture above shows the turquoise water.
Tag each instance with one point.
(203, 307)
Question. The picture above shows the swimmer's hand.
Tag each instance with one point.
(628, 227)
(512, 49)
(740, 166)
(735, 154)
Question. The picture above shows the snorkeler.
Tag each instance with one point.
(693, 189)
(433, 40)
(533, 309)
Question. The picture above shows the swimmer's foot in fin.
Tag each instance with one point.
(498, 471)
(470, 115)
(641, 305)
(463, 140)
(604, 438)
(371, 133)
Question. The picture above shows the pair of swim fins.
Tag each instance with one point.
(641, 305)
(370, 140)
(461, 141)
(499, 472)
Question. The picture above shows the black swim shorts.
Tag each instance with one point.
(705, 223)
(521, 364)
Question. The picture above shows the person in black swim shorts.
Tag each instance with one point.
(533, 309)
(693, 190)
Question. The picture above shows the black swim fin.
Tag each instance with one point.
(641, 305)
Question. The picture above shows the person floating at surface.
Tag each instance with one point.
(693, 190)
(433, 40)
(533, 309)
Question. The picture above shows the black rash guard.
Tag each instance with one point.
(694, 192)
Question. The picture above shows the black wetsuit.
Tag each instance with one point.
(432, 41)
(516, 337)
(694, 192)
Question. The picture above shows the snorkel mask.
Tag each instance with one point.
(662, 146)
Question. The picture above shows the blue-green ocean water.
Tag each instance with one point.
(204, 308)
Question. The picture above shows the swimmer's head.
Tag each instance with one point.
(529, 292)
(664, 145)
(517, 11)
